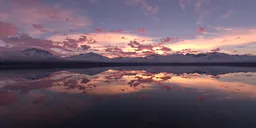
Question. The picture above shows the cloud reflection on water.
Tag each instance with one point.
(42, 96)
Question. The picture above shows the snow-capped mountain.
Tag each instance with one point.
(203, 57)
(221, 57)
(191, 58)
(31, 54)
(174, 58)
(89, 57)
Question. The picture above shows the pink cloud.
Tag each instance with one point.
(38, 26)
(165, 40)
(54, 17)
(188, 51)
(141, 30)
(184, 3)
(98, 30)
(226, 15)
(168, 40)
(103, 39)
(82, 39)
(140, 47)
(113, 45)
(199, 3)
(118, 30)
(118, 52)
(200, 29)
(7, 29)
(85, 47)
(24, 41)
(134, 44)
(149, 10)
(68, 20)
(43, 30)
(215, 50)
(145, 47)
(196, 3)
(165, 49)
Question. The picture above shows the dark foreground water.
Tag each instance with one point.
(129, 97)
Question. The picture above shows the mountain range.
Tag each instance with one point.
(31, 54)
(34, 54)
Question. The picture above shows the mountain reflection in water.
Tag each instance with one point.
(129, 97)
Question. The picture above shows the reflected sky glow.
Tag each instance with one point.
(43, 98)
(130, 81)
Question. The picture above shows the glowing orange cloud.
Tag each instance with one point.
(135, 45)
(206, 44)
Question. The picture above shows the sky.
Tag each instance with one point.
(129, 28)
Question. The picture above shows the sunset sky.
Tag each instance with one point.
(129, 28)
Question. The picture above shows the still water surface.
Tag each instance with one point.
(129, 97)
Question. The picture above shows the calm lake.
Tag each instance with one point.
(129, 97)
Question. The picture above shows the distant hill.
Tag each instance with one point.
(34, 54)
